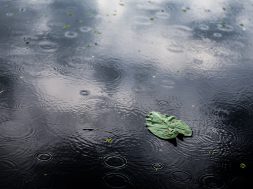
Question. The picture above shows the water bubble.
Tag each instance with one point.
(84, 92)
(48, 46)
(115, 161)
(116, 180)
(44, 157)
(85, 29)
(70, 34)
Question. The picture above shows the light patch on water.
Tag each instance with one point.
(9, 14)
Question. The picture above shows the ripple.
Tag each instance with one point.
(162, 15)
(171, 104)
(8, 169)
(197, 61)
(175, 47)
(16, 130)
(208, 143)
(70, 34)
(84, 92)
(44, 157)
(147, 6)
(217, 35)
(181, 176)
(48, 46)
(225, 27)
(142, 21)
(179, 31)
(116, 180)
(108, 74)
(167, 83)
(115, 161)
(85, 29)
(211, 181)
(203, 27)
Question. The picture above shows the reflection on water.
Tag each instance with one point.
(78, 77)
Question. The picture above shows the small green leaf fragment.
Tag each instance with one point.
(242, 25)
(243, 165)
(109, 140)
(66, 26)
(152, 19)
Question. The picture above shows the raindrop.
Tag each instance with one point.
(44, 157)
(175, 47)
(167, 83)
(217, 35)
(70, 34)
(116, 180)
(84, 92)
(142, 21)
(225, 27)
(48, 46)
(203, 27)
(9, 14)
(162, 15)
(115, 161)
(85, 29)
(22, 9)
(197, 61)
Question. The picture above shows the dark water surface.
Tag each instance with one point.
(77, 78)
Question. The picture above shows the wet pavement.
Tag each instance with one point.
(78, 77)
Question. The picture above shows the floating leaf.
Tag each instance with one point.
(151, 19)
(166, 127)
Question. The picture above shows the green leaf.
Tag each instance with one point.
(166, 127)
(66, 26)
